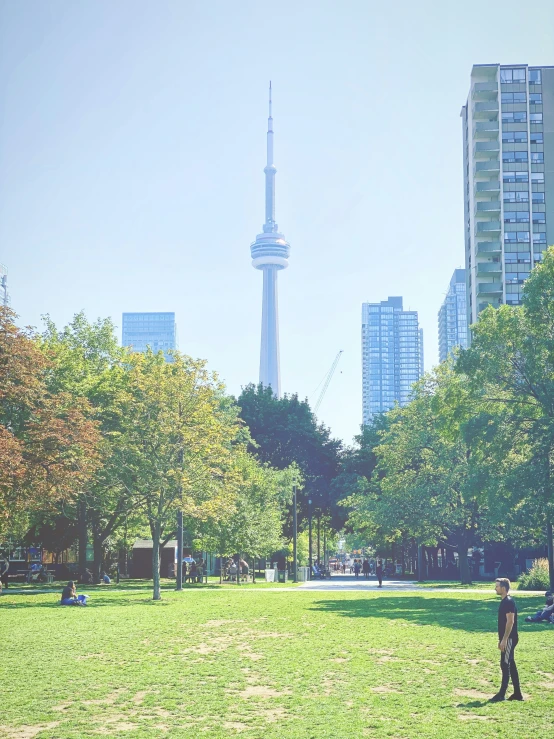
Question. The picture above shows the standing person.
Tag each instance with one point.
(4, 567)
(379, 573)
(365, 569)
(357, 569)
(507, 641)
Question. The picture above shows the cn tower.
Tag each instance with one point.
(270, 253)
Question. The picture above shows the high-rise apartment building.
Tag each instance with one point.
(453, 329)
(508, 133)
(155, 330)
(392, 355)
(4, 297)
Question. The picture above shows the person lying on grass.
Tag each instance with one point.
(546, 613)
(70, 597)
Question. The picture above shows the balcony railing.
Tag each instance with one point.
(489, 288)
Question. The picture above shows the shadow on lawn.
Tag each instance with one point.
(470, 615)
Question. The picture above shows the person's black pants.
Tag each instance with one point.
(509, 669)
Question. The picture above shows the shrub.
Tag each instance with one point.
(536, 578)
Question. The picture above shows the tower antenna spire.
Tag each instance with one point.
(270, 254)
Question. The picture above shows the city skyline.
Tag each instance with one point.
(132, 184)
(270, 253)
(452, 316)
(392, 355)
(151, 329)
(508, 179)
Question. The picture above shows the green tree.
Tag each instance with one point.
(87, 362)
(48, 442)
(181, 437)
(285, 432)
(511, 359)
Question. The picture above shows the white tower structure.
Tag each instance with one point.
(270, 253)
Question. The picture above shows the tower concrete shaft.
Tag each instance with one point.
(270, 254)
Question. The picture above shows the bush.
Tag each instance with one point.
(536, 578)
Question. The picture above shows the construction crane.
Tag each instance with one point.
(328, 379)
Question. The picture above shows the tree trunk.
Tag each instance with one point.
(420, 563)
(550, 554)
(465, 570)
(97, 549)
(156, 536)
(83, 540)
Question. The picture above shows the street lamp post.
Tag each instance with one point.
(310, 533)
(179, 550)
(295, 541)
(319, 538)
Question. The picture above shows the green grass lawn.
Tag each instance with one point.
(219, 662)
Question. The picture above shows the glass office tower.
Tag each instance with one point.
(508, 134)
(392, 355)
(4, 297)
(155, 330)
(453, 330)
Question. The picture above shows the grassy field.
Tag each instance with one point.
(260, 662)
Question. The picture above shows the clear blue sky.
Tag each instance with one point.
(132, 147)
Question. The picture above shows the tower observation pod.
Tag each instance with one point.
(270, 253)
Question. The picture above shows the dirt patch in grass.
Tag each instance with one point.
(548, 685)
(262, 691)
(236, 725)
(26, 732)
(469, 693)
(109, 700)
(474, 717)
(340, 659)
(383, 689)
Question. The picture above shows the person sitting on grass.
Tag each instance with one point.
(70, 597)
(105, 578)
(546, 613)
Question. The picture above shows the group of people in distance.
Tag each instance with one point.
(233, 567)
(193, 571)
(365, 568)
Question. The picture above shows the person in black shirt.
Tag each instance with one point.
(507, 641)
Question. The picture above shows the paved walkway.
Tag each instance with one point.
(350, 582)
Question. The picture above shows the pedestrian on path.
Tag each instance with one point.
(507, 641)
(4, 567)
(379, 573)
(365, 569)
(357, 568)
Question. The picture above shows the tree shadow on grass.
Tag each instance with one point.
(454, 613)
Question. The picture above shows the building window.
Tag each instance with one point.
(518, 117)
(513, 97)
(516, 197)
(535, 98)
(512, 75)
(538, 197)
(537, 178)
(539, 217)
(537, 157)
(537, 137)
(519, 137)
(535, 117)
(535, 76)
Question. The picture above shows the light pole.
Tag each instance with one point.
(179, 572)
(319, 538)
(295, 535)
(310, 534)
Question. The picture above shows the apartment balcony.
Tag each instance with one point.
(485, 91)
(489, 269)
(484, 207)
(482, 306)
(488, 166)
(486, 130)
(489, 288)
(486, 111)
(490, 186)
(486, 227)
(489, 247)
(486, 149)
